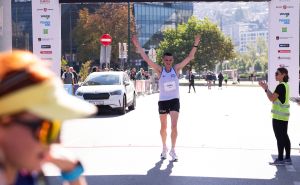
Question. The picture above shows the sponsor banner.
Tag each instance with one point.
(46, 20)
(284, 42)
(1, 21)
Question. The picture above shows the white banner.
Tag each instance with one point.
(46, 32)
(284, 42)
(1, 20)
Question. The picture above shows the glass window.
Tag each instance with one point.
(22, 25)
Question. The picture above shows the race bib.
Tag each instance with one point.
(170, 86)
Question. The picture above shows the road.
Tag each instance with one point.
(225, 138)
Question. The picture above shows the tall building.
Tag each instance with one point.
(21, 24)
(153, 18)
(250, 37)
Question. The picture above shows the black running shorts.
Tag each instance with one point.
(164, 107)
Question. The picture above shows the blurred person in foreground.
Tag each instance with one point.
(168, 103)
(280, 114)
(33, 104)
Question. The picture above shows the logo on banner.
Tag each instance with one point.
(285, 7)
(284, 21)
(45, 23)
(44, 1)
(45, 9)
(284, 29)
(45, 46)
(284, 45)
(46, 58)
(284, 51)
(283, 65)
(283, 38)
(45, 52)
(45, 39)
(45, 16)
(285, 14)
(45, 31)
(284, 58)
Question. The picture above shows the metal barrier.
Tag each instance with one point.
(143, 87)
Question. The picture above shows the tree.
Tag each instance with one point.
(214, 46)
(85, 70)
(109, 18)
(64, 63)
(257, 55)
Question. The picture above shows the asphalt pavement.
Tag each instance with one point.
(225, 138)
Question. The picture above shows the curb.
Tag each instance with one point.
(229, 84)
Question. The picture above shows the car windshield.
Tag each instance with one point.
(105, 79)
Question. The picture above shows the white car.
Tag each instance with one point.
(112, 89)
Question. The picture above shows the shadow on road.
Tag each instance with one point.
(156, 172)
(108, 113)
(285, 175)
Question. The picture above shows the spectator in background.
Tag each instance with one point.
(76, 79)
(140, 75)
(191, 81)
(146, 75)
(132, 74)
(33, 107)
(67, 76)
(95, 69)
(68, 79)
(252, 77)
(74, 74)
(209, 79)
(220, 79)
(226, 79)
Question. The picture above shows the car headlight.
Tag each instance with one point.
(118, 92)
(78, 93)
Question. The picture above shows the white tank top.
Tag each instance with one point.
(168, 85)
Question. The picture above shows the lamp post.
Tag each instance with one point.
(128, 41)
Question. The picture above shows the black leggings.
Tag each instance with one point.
(283, 142)
(191, 85)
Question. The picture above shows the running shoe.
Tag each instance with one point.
(163, 154)
(173, 155)
(277, 162)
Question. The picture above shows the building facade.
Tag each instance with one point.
(153, 18)
(250, 37)
(21, 11)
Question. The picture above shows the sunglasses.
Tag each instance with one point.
(44, 131)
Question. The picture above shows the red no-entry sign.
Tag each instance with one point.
(105, 39)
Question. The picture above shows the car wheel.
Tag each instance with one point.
(123, 108)
(133, 105)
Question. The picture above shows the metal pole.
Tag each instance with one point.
(128, 57)
(105, 56)
(70, 37)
